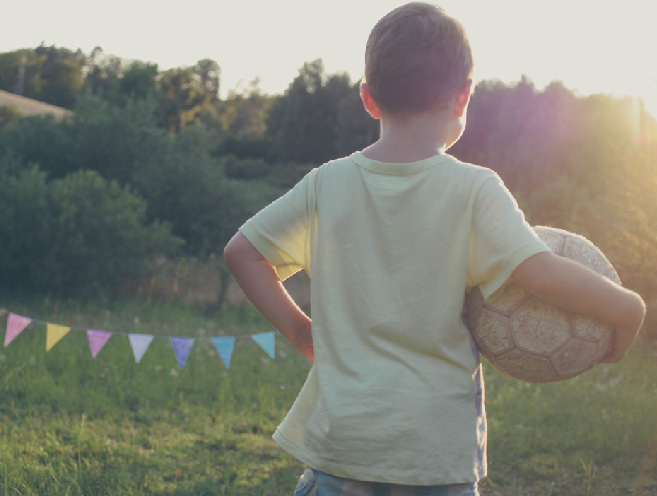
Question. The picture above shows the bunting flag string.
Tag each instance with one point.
(139, 343)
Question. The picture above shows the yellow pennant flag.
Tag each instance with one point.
(2, 311)
(54, 333)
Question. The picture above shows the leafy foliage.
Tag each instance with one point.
(204, 164)
(9, 114)
(73, 235)
(303, 123)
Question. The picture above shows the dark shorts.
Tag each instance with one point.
(316, 483)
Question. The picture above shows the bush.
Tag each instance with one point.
(74, 235)
(112, 140)
(245, 168)
(188, 188)
(9, 114)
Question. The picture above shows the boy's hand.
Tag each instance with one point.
(621, 341)
(304, 341)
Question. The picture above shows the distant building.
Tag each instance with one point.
(28, 106)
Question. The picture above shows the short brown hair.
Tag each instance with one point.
(416, 58)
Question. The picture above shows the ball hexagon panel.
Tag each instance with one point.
(495, 326)
(568, 361)
(508, 301)
(589, 329)
(538, 328)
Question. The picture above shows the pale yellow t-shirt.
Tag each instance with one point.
(395, 393)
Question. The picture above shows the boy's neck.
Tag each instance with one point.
(414, 137)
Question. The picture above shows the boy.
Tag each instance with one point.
(392, 236)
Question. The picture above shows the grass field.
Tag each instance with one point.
(73, 425)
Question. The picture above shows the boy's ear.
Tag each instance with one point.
(368, 102)
(462, 99)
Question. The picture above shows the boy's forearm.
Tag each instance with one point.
(264, 289)
(571, 286)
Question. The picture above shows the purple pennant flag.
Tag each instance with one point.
(97, 340)
(267, 341)
(181, 348)
(225, 348)
(139, 343)
(15, 325)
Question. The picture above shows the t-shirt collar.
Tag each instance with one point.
(399, 169)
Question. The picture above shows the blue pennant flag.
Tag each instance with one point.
(181, 348)
(267, 341)
(225, 348)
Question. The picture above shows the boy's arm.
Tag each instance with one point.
(574, 287)
(264, 289)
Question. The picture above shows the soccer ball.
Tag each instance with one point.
(535, 342)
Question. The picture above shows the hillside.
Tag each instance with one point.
(28, 106)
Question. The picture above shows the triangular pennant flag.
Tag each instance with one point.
(139, 344)
(267, 341)
(225, 348)
(181, 348)
(97, 340)
(54, 333)
(15, 325)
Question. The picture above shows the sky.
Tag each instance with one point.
(592, 46)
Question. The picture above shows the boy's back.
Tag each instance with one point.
(390, 249)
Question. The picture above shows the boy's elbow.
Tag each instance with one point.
(239, 248)
(636, 312)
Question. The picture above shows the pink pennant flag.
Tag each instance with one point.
(97, 340)
(54, 333)
(181, 348)
(15, 325)
(139, 343)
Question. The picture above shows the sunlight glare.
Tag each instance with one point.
(649, 95)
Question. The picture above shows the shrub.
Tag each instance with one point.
(74, 235)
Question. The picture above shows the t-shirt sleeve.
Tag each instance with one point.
(501, 239)
(281, 230)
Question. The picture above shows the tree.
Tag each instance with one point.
(139, 81)
(111, 139)
(209, 73)
(182, 97)
(9, 114)
(103, 74)
(10, 63)
(73, 235)
(302, 123)
(186, 186)
(355, 127)
(244, 112)
(61, 75)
